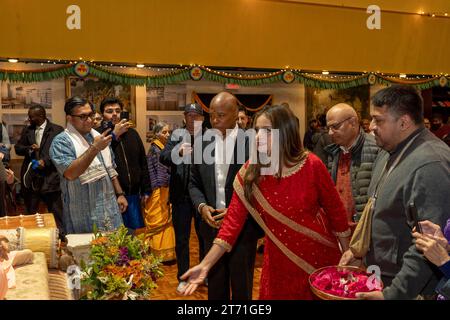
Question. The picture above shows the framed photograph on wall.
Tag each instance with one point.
(319, 101)
(174, 122)
(170, 97)
(95, 90)
(22, 96)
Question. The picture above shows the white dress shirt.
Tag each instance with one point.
(39, 132)
(224, 150)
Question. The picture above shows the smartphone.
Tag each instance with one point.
(108, 125)
(413, 217)
(124, 115)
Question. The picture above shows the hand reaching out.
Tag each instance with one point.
(194, 277)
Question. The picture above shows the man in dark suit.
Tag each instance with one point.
(39, 178)
(182, 209)
(211, 188)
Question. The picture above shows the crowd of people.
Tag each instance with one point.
(341, 197)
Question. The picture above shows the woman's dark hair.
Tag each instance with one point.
(72, 103)
(290, 144)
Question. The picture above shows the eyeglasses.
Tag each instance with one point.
(84, 117)
(337, 125)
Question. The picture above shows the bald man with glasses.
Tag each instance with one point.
(350, 158)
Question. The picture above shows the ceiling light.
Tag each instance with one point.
(13, 60)
(140, 65)
(325, 72)
(402, 75)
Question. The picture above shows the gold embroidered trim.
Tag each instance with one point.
(343, 234)
(293, 170)
(290, 223)
(302, 264)
(223, 244)
(282, 218)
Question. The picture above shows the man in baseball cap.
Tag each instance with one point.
(193, 107)
(182, 209)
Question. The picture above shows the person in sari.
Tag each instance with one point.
(159, 230)
(298, 207)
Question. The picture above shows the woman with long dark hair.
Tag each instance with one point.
(297, 206)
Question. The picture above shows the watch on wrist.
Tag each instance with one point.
(120, 194)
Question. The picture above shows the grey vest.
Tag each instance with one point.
(364, 153)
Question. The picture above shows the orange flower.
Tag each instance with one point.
(99, 241)
(112, 251)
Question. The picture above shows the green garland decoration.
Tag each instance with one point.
(419, 84)
(312, 81)
(240, 79)
(135, 80)
(36, 75)
(181, 75)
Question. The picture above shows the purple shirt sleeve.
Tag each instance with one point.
(447, 231)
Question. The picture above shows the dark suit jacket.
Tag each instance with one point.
(23, 148)
(202, 187)
(179, 174)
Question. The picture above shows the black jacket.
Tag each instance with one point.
(131, 161)
(202, 185)
(23, 148)
(179, 174)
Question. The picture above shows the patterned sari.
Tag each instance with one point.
(301, 214)
(159, 230)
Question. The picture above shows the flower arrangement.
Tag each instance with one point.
(341, 283)
(121, 266)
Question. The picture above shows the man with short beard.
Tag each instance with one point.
(415, 170)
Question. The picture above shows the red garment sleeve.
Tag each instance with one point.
(232, 223)
(330, 200)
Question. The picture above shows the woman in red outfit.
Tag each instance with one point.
(298, 208)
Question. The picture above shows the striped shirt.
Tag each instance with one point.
(159, 173)
(87, 204)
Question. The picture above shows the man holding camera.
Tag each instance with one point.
(129, 155)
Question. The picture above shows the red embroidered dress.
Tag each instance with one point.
(300, 237)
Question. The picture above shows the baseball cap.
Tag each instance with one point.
(193, 107)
